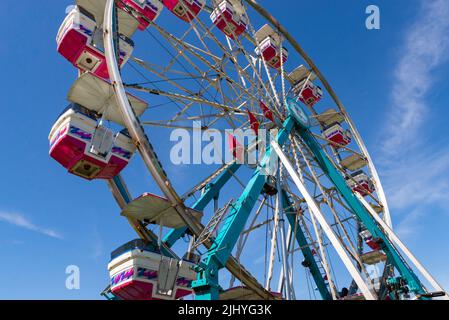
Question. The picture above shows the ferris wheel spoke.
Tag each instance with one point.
(232, 58)
(181, 97)
(167, 79)
(177, 42)
(172, 126)
(273, 97)
(345, 239)
(181, 53)
(328, 201)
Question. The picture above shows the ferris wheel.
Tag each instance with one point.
(307, 219)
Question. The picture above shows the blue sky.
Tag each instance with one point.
(392, 81)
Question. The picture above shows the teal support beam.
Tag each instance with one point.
(207, 286)
(174, 235)
(212, 192)
(122, 189)
(359, 210)
(290, 212)
(213, 189)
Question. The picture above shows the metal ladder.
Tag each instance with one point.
(315, 256)
(310, 244)
(212, 226)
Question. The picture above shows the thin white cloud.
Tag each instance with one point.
(413, 172)
(409, 226)
(22, 222)
(12, 242)
(418, 180)
(425, 49)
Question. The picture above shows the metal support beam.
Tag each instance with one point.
(212, 192)
(291, 213)
(315, 210)
(281, 213)
(207, 286)
(359, 210)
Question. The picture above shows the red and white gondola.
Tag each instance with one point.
(270, 47)
(186, 10)
(146, 11)
(140, 272)
(230, 18)
(80, 41)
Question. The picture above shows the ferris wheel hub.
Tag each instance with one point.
(297, 111)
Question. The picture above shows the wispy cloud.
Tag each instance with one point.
(12, 242)
(424, 50)
(420, 179)
(22, 222)
(414, 173)
(409, 226)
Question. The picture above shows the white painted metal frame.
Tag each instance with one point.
(315, 210)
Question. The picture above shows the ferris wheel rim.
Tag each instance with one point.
(333, 188)
(119, 82)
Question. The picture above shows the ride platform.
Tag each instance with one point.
(98, 95)
(300, 74)
(127, 24)
(354, 162)
(157, 210)
(373, 257)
